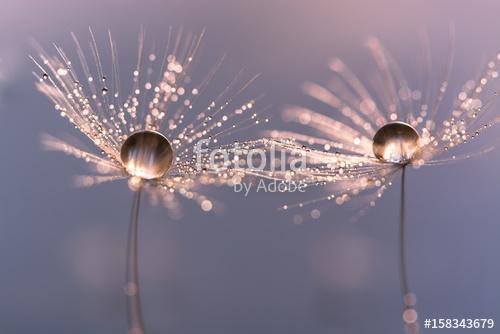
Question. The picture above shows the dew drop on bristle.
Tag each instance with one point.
(396, 142)
(147, 154)
(62, 71)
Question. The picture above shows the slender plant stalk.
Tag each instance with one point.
(134, 308)
(403, 270)
(402, 238)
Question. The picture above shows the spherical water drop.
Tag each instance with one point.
(396, 142)
(147, 154)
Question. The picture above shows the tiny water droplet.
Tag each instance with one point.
(62, 71)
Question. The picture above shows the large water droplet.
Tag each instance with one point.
(396, 142)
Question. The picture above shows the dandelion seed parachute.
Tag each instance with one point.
(380, 130)
(150, 135)
(164, 99)
(380, 126)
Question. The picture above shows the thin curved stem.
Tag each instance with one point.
(409, 313)
(402, 238)
(134, 309)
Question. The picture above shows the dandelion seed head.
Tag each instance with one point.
(163, 106)
(360, 132)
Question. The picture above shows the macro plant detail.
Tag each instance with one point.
(151, 135)
(382, 127)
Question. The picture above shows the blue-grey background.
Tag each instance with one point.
(249, 270)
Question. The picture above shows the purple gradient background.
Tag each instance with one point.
(249, 270)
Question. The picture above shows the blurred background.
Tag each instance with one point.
(250, 269)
